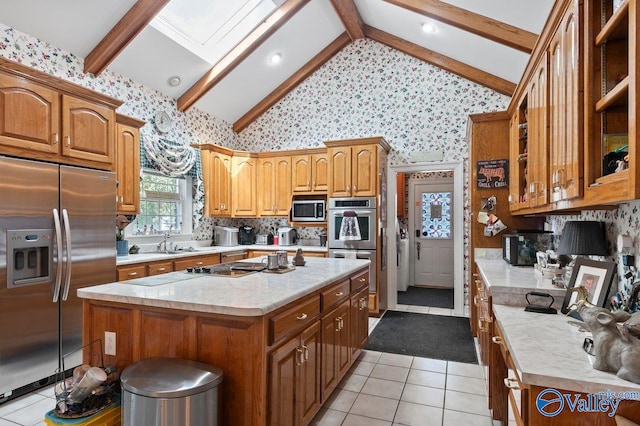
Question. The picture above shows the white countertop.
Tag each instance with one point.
(547, 351)
(153, 256)
(251, 295)
(509, 284)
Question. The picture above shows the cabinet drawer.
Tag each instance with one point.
(359, 281)
(160, 268)
(182, 264)
(334, 294)
(131, 272)
(294, 318)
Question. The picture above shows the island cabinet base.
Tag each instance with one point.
(272, 364)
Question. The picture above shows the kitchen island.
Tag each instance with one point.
(283, 341)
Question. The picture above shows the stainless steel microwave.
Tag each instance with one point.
(309, 211)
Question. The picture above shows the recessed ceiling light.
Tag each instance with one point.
(428, 28)
(275, 58)
(173, 81)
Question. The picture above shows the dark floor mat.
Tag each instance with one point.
(424, 335)
(421, 296)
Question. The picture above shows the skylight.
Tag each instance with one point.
(211, 28)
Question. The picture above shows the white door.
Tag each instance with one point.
(431, 230)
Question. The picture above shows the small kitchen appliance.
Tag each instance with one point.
(264, 239)
(225, 236)
(287, 236)
(308, 210)
(520, 247)
(247, 235)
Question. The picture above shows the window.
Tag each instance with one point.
(165, 205)
(436, 214)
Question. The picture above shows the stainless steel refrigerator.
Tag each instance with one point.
(57, 234)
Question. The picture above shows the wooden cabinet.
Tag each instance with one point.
(33, 123)
(353, 171)
(243, 185)
(294, 379)
(129, 272)
(143, 269)
(160, 267)
(46, 118)
(190, 262)
(518, 188)
(127, 164)
(538, 136)
(274, 186)
(359, 316)
(336, 353)
(273, 364)
(612, 114)
(309, 173)
(401, 195)
(216, 171)
(565, 107)
(88, 131)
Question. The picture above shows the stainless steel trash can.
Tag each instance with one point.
(169, 392)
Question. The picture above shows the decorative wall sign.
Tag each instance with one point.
(493, 174)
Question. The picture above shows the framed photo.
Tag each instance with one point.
(595, 276)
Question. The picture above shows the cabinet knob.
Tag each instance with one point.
(56, 138)
(68, 140)
(162, 269)
(497, 340)
(302, 316)
(132, 274)
(339, 294)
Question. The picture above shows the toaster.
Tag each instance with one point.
(263, 239)
(225, 236)
(287, 236)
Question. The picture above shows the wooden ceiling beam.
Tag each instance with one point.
(483, 26)
(351, 20)
(292, 82)
(129, 26)
(483, 78)
(240, 52)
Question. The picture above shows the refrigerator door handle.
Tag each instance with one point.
(67, 233)
(58, 282)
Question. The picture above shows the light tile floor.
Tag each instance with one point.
(380, 389)
(390, 389)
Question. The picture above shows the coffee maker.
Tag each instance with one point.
(247, 235)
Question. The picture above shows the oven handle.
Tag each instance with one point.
(360, 254)
(359, 212)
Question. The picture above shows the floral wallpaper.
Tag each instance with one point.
(142, 102)
(623, 220)
(369, 89)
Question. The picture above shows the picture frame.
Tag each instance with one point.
(594, 275)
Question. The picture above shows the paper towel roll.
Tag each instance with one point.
(625, 243)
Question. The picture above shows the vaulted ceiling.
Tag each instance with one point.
(488, 42)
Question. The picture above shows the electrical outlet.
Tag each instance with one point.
(109, 343)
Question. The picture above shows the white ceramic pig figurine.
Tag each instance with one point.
(616, 350)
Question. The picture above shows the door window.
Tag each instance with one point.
(436, 214)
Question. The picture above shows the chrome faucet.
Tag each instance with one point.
(162, 245)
